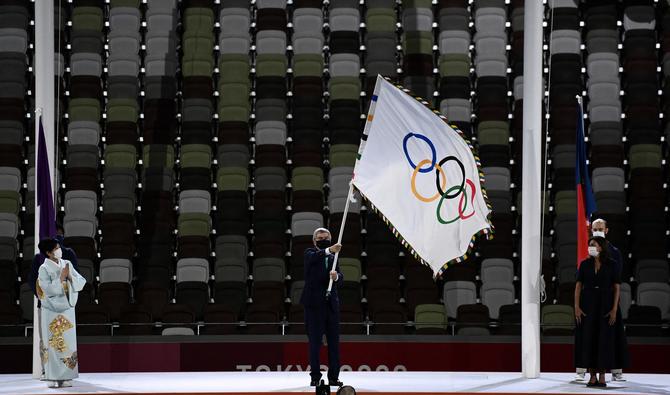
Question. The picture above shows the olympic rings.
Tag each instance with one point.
(460, 190)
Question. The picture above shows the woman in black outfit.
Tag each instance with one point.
(596, 303)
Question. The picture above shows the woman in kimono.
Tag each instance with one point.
(58, 285)
(596, 305)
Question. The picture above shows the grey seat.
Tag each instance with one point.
(233, 155)
(501, 201)
(456, 293)
(123, 65)
(307, 20)
(565, 41)
(80, 226)
(11, 133)
(270, 132)
(116, 270)
(123, 43)
(83, 155)
(8, 249)
(603, 93)
(652, 270)
(454, 18)
(10, 179)
(456, 110)
(84, 203)
(655, 294)
(232, 246)
(344, 19)
(606, 133)
(192, 269)
(157, 65)
(304, 223)
(613, 202)
(270, 178)
(602, 40)
(490, 19)
(117, 202)
(296, 291)
(269, 269)
(497, 270)
(124, 18)
(161, 20)
(195, 201)
(83, 132)
(161, 5)
(271, 4)
(231, 270)
(9, 225)
(13, 40)
(86, 268)
(608, 179)
(605, 112)
(491, 44)
(602, 67)
(344, 65)
(454, 41)
(490, 66)
(497, 178)
(496, 294)
(270, 110)
(563, 156)
(197, 110)
(639, 17)
(271, 42)
(306, 42)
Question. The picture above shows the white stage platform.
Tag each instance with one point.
(364, 382)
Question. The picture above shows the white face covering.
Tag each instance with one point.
(58, 254)
(593, 251)
(598, 233)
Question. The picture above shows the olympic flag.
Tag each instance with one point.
(422, 176)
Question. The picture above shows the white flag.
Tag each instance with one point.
(422, 177)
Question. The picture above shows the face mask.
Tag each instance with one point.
(598, 233)
(593, 251)
(323, 244)
(58, 254)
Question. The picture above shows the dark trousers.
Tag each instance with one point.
(320, 321)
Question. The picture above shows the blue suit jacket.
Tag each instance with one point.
(317, 279)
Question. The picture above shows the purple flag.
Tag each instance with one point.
(45, 203)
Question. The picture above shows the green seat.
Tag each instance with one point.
(87, 18)
(232, 179)
(558, 320)
(196, 155)
(645, 155)
(493, 133)
(343, 155)
(198, 19)
(125, 3)
(271, 65)
(454, 65)
(120, 155)
(308, 65)
(234, 68)
(10, 202)
(84, 109)
(194, 224)
(158, 155)
(380, 20)
(233, 94)
(122, 110)
(344, 88)
(565, 202)
(350, 268)
(234, 114)
(417, 42)
(307, 178)
(430, 318)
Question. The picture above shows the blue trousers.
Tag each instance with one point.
(319, 321)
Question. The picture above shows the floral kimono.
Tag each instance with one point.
(58, 335)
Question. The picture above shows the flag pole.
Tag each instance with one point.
(44, 104)
(350, 196)
(531, 194)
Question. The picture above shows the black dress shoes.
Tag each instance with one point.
(335, 383)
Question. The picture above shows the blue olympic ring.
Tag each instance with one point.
(432, 149)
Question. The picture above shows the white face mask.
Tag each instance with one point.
(598, 233)
(58, 254)
(593, 251)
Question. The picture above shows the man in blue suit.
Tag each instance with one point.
(322, 312)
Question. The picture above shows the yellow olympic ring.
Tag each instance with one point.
(443, 179)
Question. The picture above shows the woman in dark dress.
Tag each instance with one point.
(596, 303)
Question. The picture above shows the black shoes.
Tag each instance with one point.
(331, 383)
